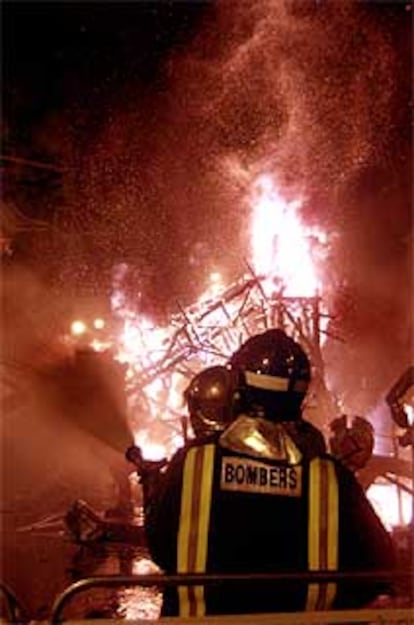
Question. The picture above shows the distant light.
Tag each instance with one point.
(78, 327)
(98, 346)
(98, 324)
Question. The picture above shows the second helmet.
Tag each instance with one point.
(209, 397)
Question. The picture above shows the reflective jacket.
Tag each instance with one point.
(232, 506)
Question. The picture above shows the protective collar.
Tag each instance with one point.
(260, 438)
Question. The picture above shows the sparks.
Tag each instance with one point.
(161, 360)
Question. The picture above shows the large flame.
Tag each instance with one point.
(161, 359)
(281, 243)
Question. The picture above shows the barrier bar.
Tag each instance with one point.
(395, 616)
(113, 581)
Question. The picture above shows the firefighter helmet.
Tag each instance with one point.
(274, 375)
(209, 398)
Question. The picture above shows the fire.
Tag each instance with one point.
(393, 508)
(281, 244)
(140, 342)
(409, 411)
(162, 359)
(141, 603)
(215, 286)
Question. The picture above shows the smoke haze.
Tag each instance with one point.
(315, 93)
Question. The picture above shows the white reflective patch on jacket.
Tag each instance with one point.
(249, 476)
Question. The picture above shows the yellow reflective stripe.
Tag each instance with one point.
(206, 488)
(203, 524)
(333, 529)
(184, 529)
(194, 523)
(322, 530)
(313, 529)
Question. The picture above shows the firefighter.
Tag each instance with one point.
(149, 472)
(352, 444)
(214, 399)
(250, 501)
(399, 398)
(251, 402)
(210, 398)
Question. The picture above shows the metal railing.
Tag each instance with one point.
(117, 581)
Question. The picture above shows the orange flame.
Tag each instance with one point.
(281, 244)
(281, 255)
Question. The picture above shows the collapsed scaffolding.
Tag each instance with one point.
(207, 333)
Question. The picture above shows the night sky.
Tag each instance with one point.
(72, 72)
(150, 107)
(59, 54)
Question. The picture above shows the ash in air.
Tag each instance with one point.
(159, 169)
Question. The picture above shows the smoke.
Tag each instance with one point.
(31, 318)
(63, 426)
(315, 93)
(318, 94)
